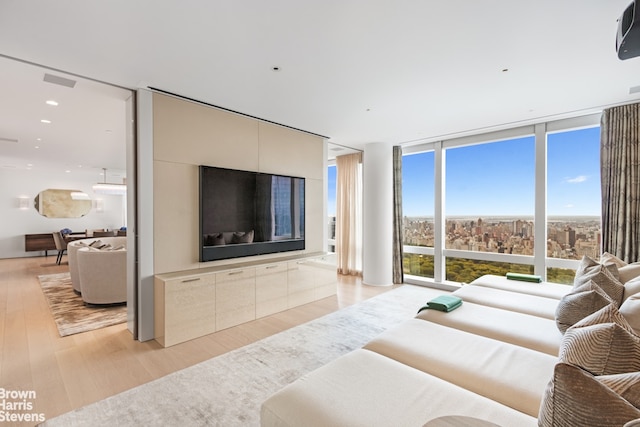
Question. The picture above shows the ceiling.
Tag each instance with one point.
(356, 71)
(86, 132)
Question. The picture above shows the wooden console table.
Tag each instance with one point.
(39, 242)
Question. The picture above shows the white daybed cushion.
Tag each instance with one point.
(630, 310)
(536, 333)
(544, 289)
(514, 301)
(509, 374)
(365, 389)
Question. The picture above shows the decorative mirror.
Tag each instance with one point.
(54, 203)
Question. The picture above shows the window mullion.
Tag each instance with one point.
(540, 209)
(439, 270)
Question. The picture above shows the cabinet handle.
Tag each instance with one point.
(233, 273)
(270, 267)
(191, 280)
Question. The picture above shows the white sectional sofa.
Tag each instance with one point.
(499, 359)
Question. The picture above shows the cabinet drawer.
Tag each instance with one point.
(235, 275)
(271, 289)
(235, 299)
(189, 309)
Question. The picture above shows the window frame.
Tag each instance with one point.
(539, 260)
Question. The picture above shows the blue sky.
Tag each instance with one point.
(498, 178)
(331, 195)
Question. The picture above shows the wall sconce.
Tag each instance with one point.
(23, 202)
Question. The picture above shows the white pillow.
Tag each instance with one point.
(630, 310)
(628, 272)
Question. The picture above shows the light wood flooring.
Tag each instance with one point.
(71, 372)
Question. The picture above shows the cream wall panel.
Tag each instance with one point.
(187, 132)
(314, 215)
(175, 219)
(290, 152)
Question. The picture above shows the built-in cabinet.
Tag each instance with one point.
(194, 303)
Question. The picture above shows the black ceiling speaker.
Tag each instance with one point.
(628, 36)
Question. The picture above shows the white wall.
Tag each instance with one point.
(16, 222)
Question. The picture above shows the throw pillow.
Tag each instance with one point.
(215, 239)
(587, 264)
(605, 276)
(602, 343)
(573, 398)
(630, 310)
(626, 385)
(239, 237)
(607, 258)
(579, 303)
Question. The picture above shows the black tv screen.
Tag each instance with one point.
(244, 213)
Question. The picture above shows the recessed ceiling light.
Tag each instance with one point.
(276, 68)
(45, 121)
(38, 139)
(68, 171)
(29, 165)
(52, 102)
(36, 147)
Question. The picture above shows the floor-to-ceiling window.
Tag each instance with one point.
(489, 206)
(524, 200)
(418, 211)
(573, 199)
(331, 207)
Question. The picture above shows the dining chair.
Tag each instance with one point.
(61, 245)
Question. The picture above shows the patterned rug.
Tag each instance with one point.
(228, 390)
(70, 313)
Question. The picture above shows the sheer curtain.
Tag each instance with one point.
(398, 273)
(620, 170)
(349, 214)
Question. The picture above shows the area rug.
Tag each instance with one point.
(228, 390)
(70, 313)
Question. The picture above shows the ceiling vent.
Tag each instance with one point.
(8, 139)
(337, 149)
(57, 80)
(634, 89)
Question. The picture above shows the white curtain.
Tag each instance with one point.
(349, 214)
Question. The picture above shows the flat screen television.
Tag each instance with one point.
(244, 213)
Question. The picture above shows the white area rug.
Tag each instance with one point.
(228, 390)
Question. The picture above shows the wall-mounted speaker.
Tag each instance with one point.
(628, 35)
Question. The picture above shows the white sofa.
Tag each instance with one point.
(108, 265)
(494, 359)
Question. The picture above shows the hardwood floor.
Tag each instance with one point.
(73, 371)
